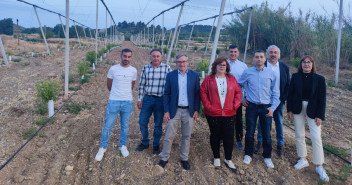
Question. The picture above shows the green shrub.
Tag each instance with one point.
(101, 52)
(331, 83)
(295, 62)
(165, 50)
(90, 57)
(85, 80)
(71, 78)
(202, 66)
(42, 108)
(16, 60)
(82, 68)
(42, 121)
(195, 48)
(76, 107)
(217, 51)
(348, 86)
(9, 53)
(48, 90)
(27, 63)
(173, 53)
(26, 134)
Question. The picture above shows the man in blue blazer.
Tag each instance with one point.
(282, 72)
(181, 103)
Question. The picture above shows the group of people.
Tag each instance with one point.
(176, 97)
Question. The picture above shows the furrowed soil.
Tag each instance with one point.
(72, 140)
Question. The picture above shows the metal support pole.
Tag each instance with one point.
(106, 27)
(217, 33)
(249, 28)
(85, 36)
(110, 30)
(41, 29)
(144, 36)
(190, 36)
(168, 42)
(79, 40)
(211, 31)
(91, 37)
(153, 40)
(174, 35)
(339, 44)
(148, 36)
(67, 47)
(163, 35)
(178, 34)
(96, 33)
(62, 25)
(3, 52)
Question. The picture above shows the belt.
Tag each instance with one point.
(260, 105)
(183, 107)
(154, 96)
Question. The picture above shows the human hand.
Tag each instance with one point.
(245, 102)
(167, 117)
(270, 113)
(139, 104)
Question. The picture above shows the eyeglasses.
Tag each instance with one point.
(181, 62)
(308, 62)
(221, 65)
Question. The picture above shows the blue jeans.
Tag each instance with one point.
(112, 109)
(151, 105)
(278, 124)
(252, 113)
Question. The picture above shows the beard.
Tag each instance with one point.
(125, 62)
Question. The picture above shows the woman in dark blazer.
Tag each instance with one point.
(307, 100)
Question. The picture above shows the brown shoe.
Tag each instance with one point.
(257, 148)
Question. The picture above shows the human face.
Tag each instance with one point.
(259, 59)
(155, 57)
(126, 58)
(182, 64)
(221, 68)
(273, 55)
(307, 65)
(233, 54)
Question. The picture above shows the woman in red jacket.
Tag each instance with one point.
(221, 96)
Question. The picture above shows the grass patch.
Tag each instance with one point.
(41, 108)
(27, 63)
(331, 83)
(16, 60)
(344, 173)
(42, 121)
(74, 88)
(337, 150)
(348, 87)
(85, 80)
(42, 135)
(26, 134)
(76, 107)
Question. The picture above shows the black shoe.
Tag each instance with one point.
(280, 150)
(257, 148)
(185, 165)
(141, 147)
(162, 163)
(156, 150)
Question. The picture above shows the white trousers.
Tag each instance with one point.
(315, 135)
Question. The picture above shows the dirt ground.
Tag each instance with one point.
(73, 140)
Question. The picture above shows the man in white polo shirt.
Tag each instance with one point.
(120, 82)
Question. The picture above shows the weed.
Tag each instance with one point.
(16, 60)
(331, 83)
(42, 135)
(348, 87)
(27, 63)
(195, 48)
(85, 80)
(42, 121)
(337, 150)
(76, 107)
(9, 53)
(26, 134)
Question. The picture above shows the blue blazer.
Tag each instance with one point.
(171, 92)
(284, 80)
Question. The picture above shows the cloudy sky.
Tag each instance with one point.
(84, 11)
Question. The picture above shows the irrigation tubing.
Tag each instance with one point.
(337, 155)
(47, 121)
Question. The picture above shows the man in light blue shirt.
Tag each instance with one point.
(261, 99)
(236, 69)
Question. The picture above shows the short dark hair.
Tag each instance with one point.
(219, 61)
(126, 50)
(233, 46)
(259, 51)
(155, 49)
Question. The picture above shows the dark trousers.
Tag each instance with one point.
(221, 128)
(239, 124)
(254, 111)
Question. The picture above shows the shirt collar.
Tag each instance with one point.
(230, 62)
(179, 72)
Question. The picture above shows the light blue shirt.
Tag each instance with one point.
(237, 68)
(261, 86)
(182, 89)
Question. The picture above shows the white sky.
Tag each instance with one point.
(84, 11)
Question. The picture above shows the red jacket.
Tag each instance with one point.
(210, 97)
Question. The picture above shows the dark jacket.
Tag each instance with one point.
(284, 80)
(171, 92)
(210, 97)
(317, 98)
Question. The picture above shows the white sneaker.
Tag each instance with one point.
(100, 154)
(217, 163)
(268, 162)
(301, 164)
(124, 151)
(230, 165)
(247, 159)
(322, 173)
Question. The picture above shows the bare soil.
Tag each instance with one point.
(73, 140)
